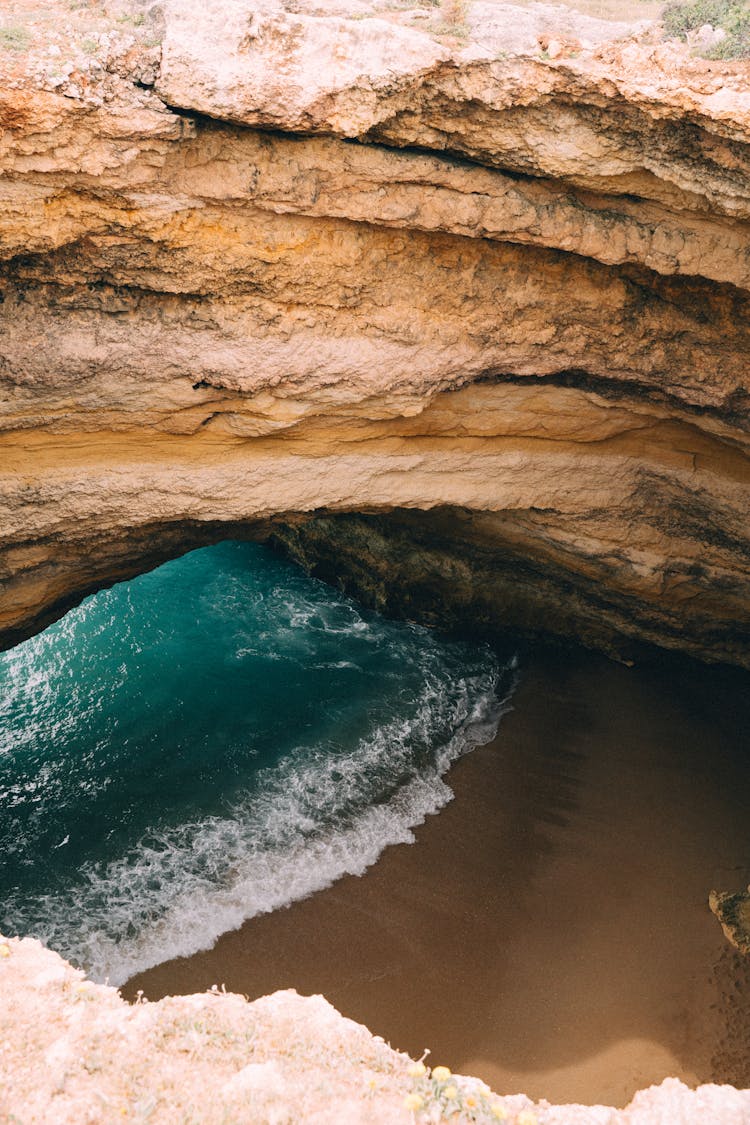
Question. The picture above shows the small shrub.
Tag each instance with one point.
(438, 1096)
(733, 16)
(15, 38)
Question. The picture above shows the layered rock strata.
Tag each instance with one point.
(291, 263)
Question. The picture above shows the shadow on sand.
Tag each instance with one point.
(549, 931)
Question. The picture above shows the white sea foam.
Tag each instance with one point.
(327, 808)
(317, 815)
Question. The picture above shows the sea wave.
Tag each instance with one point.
(156, 792)
(314, 818)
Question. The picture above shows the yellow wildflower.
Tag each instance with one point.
(413, 1102)
(499, 1112)
(417, 1069)
(471, 1101)
(441, 1073)
(526, 1117)
(372, 1083)
(450, 1092)
(4, 951)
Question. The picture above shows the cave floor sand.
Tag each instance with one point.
(549, 931)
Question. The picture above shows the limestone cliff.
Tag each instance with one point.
(272, 261)
(74, 1051)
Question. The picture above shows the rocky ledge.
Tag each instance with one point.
(462, 291)
(74, 1052)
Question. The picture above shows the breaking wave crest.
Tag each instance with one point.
(269, 800)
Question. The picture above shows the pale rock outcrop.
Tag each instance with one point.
(75, 1052)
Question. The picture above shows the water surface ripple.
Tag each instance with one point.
(214, 740)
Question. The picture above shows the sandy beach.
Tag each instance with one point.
(548, 931)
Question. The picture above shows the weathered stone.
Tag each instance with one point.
(455, 275)
(75, 1051)
(464, 326)
(733, 911)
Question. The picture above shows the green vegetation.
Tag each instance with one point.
(15, 38)
(733, 16)
(437, 1096)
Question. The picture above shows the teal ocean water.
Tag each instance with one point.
(214, 740)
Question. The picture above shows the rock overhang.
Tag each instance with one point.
(325, 261)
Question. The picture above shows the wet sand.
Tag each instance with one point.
(549, 929)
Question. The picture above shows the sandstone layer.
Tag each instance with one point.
(262, 263)
(75, 1052)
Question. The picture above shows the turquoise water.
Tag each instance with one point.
(214, 740)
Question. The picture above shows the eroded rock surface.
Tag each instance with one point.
(75, 1052)
(733, 912)
(263, 262)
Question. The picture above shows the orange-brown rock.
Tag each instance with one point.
(428, 289)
